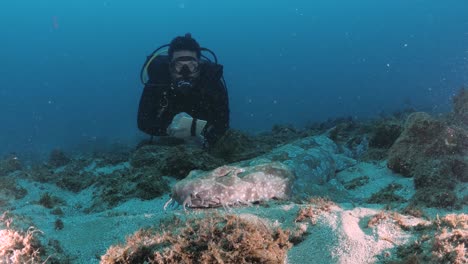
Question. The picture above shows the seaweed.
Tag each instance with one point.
(50, 201)
(210, 239)
(445, 241)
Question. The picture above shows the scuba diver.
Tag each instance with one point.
(185, 95)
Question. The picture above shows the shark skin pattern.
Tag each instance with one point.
(232, 185)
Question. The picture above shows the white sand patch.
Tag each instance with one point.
(111, 168)
(340, 236)
(86, 236)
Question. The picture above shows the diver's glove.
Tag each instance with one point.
(185, 126)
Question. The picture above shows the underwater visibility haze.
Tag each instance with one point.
(70, 72)
(348, 139)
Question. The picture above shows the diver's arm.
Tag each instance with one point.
(153, 117)
(219, 123)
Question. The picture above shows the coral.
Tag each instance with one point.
(57, 158)
(212, 239)
(229, 185)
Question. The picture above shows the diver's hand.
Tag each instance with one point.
(181, 126)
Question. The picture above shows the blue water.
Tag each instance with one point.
(69, 73)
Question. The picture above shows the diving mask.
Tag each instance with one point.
(185, 70)
(185, 66)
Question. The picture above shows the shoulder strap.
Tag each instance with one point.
(211, 71)
(158, 71)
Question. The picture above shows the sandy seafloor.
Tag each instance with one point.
(340, 236)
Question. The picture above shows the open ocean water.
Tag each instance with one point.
(348, 140)
(70, 71)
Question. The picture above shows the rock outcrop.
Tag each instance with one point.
(460, 106)
(435, 154)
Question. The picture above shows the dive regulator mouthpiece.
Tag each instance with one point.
(184, 83)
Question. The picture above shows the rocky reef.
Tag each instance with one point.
(9, 164)
(435, 155)
(370, 191)
(460, 106)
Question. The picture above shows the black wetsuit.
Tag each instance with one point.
(206, 100)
